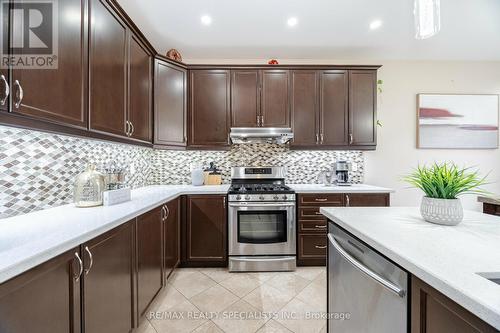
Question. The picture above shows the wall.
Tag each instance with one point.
(396, 152)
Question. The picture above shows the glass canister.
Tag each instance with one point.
(89, 186)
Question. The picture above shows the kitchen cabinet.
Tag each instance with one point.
(171, 236)
(312, 226)
(107, 279)
(170, 105)
(205, 234)
(45, 299)
(305, 107)
(260, 98)
(108, 70)
(36, 93)
(432, 311)
(362, 108)
(140, 91)
(209, 109)
(149, 229)
(245, 98)
(491, 209)
(334, 120)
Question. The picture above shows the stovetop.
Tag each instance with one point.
(260, 188)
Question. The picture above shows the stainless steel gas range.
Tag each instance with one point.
(261, 218)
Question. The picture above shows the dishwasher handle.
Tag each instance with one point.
(389, 285)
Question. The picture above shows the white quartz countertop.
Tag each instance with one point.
(446, 258)
(354, 188)
(31, 239)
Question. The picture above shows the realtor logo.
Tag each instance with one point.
(31, 40)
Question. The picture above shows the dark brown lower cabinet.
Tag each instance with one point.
(432, 312)
(45, 299)
(491, 209)
(313, 227)
(107, 281)
(149, 258)
(171, 237)
(205, 233)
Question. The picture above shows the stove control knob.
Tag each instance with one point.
(238, 197)
(261, 197)
(285, 197)
(247, 197)
(276, 197)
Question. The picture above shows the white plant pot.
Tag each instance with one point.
(442, 211)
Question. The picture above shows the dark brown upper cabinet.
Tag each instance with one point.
(275, 106)
(362, 108)
(108, 70)
(334, 116)
(209, 108)
(205, 231)
(245, 98)
(149, 257)
(107, 280)
(305, 108)
(45, 299)
(54, 95)
(170, 105)
(260, 98)
(140, 91)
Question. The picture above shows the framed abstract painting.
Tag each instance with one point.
(457, 121)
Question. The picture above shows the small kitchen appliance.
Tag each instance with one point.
(261, 218)
(342, 172)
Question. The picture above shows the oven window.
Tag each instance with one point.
(262, 227)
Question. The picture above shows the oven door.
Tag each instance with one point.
(257, 228)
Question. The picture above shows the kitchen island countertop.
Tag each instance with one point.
(447, 258)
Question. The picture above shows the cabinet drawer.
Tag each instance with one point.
(307, 226)
(310, 213)
(319, 199)
(312, 246)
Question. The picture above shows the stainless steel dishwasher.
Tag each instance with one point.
(366, 292)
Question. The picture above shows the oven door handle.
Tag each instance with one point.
(260, 259)
(261, 204)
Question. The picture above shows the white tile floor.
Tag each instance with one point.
(212, 300)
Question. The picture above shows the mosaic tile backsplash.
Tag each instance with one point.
(37, 170)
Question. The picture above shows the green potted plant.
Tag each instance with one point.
(442, 183)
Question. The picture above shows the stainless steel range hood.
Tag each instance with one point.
(276, 135)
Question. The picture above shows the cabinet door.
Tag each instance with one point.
(209, 108)
(149, 258)
(433, 312)
(275, 105)
(107, 295)
(362, 108)
(171, 237)
(367, 200)
(170, 105)
(140, 91)
(334, 108)
(108, 68)
(46, 299)
(245, 98)
(206, 228)
(56, 95)
(4, 72)
(304, 104)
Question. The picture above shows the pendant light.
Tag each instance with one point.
(427, 18)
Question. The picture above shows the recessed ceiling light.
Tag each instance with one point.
(206, 20)
(374, 25)
(292, 21)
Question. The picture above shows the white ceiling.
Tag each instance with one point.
(326, 29)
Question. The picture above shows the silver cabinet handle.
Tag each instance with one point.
(163, 213)
(80, 264)
(261, 121)
(87, 270)
(321, 199)
(320, 226)
(258, 120)
(317, 138)
(167, 212)
(19, 95)
(320, 247)
(132, 128)
(387, 284)
(351, 138)
(6, 91)
(127, 128)
(321, 138)
(347, 200)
